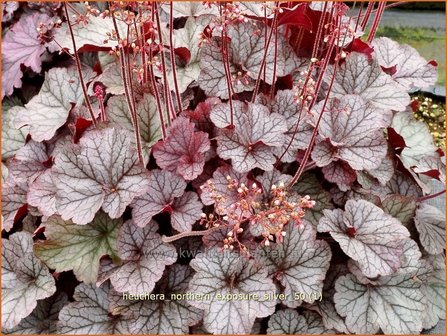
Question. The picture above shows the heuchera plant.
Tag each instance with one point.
(215, 167)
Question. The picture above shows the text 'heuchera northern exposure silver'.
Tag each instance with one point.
(215, 168)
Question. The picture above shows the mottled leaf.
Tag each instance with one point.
(412, 70)
(168, 315)
(430, 223)
(287, 322)
(299, 263)
(359, 75)
(144, 258)
(434, 290)
(400, 207)
(395, 304)
(103, 171)
(368, 235)
(166, 193)
(220, 274)
(183, 150)
(13, 199)
(43, 319)
(255, 134)
(25, 280)
(352, 126)
(89, 313)
(42, 194)
(69, 246)
(299, 129)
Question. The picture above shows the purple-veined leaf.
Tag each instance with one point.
(219, 183)
(364, 77)
(30, 161)
(21, 45)
(69, 246)
(150, 127)
(12, 138)
(111, 79)
(103, 171)
(170, 315)
(42, 194)
(48, 110)
(166, 193)
(400, 184)
(412, 70)
(417, 137)
(255, 134)
(92, 33)
(164, 187)
(90, 313)
(325, 307)
(285, 104)
(13, 199)
(400, 207)
(434, 290)
(25, 280)
(212, 78)
(430, 223)
(308, 184)
(352, 126)
(220, 274)
(246, 51)
(341, 173)
(43, 319)
(315, 324)
(367, 235)
(256, 9)
(182, 152)
(287, 322)
(190, 37)
(394, 303)
(144, 257)
(299, 263)
(433, 166)
(381, 174)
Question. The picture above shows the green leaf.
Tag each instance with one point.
(78, 247)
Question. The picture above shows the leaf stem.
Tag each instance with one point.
(425, 198)
(171, 49)
(79, 68)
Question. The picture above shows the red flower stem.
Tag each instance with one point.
(129, 98)
(171, 49)
(319, 31)
(425, 198)
(157, 97)
(264, 59)
(376, 22)
(367, 15)
(79, 68)
(272, 88)
(167, 91)
(317, 87)
(226, 63)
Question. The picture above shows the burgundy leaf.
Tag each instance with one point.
(21, 45)
(182, 152)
